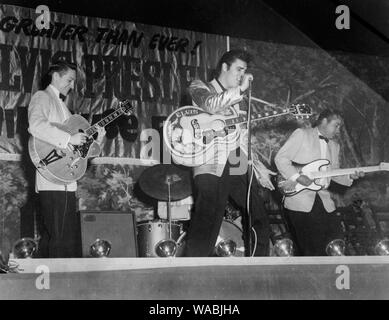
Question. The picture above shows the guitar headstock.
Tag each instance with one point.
(301, 111)
(384, 166)
(126, 107)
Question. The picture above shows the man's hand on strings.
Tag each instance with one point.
(263, 175)
(100, 134)
(78, 139)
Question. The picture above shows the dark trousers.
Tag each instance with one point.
(61, 230)
(312, 231)
(211, 194)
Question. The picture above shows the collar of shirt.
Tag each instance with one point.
(323, 144)
(219, 89)
(61, 103)
(56, 91)
(221, 86)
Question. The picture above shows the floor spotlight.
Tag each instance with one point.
(336, 248)
(100, 248)
(284, 248)
(382, 248)
(24, 248)
(166, 248)
(226, 248)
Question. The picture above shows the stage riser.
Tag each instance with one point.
(207, 282)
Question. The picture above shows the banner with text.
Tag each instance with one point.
(150, 66)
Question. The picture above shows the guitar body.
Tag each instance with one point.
(192, 135)
(63, 165)
(289, 188)
(195, 136)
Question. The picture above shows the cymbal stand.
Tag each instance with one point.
(169, 217)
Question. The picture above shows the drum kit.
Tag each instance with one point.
(166, 237)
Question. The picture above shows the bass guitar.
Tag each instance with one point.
(192, 134)
(66, 165)
(315, 170)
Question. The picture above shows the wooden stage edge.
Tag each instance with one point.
(257, 278)
(106, 264)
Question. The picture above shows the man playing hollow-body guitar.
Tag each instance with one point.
(60, 233)
(225, 175)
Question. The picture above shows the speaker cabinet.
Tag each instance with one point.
(119, 228)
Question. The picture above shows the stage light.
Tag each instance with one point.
(166, 248)
(100, 248)
(24, 248)
(336, 248)
(284, 248)
(226, 248)
(382, 248)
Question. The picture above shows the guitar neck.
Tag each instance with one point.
(103, 122)
(342, 172)
(254, 117)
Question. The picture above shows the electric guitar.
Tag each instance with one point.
(66, 165)
(191, 134)
(314, 171)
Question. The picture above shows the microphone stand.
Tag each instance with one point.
(249, 173)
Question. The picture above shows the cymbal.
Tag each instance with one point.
(154, 182)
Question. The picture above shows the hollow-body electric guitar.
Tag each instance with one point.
(66, 165)
(191, 133)
(314, 171)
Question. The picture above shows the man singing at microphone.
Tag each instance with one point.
(225, 176)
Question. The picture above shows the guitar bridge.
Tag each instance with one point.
(196, 128)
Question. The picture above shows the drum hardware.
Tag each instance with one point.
(168, 247)
(166, 183)
(165, 238)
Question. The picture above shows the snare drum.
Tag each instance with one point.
(152, 232)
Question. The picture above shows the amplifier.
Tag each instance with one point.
(119, 228)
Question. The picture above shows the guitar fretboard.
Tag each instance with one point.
(255, 117)
(343, 172)
(103, 122)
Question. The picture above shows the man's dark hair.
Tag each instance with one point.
(328, 114)
(60, 66)
(229, 57)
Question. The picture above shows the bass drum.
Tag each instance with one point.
(230, 232)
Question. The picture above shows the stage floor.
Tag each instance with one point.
(365, 277)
